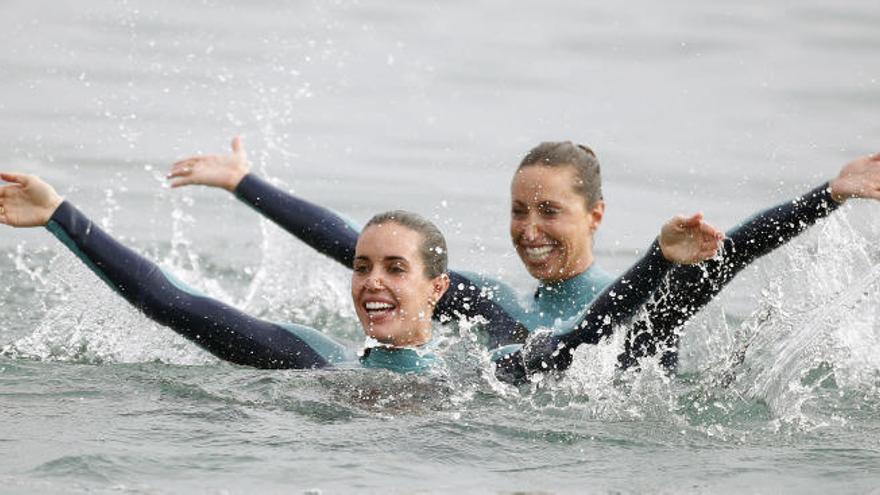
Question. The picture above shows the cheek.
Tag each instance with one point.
(578, 243)
(554, 229)
(419, 297)
(515, 227)
(569, 237)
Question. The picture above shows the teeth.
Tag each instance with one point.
(538, 253)
(377, 306)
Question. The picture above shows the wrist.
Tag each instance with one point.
(235, 179)
(835, 193)
(664, 250)
(53, 207)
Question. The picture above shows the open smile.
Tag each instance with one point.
(379, 311)
(538, 254)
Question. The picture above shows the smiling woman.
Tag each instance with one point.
(394, 289)
(399, 275)
(551, 224)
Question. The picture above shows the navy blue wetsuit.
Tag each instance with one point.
(220, 329)
(690, 287)
(564, 307)
(239, 338)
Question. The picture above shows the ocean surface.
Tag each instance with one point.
(366, 106)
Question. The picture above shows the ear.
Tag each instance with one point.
(596, 213)
(440, 285)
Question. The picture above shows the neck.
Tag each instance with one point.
(579, 268)
(416, 338)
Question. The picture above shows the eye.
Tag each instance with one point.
(549, 210)
(519, 211)
(361, 268)
(397, 268)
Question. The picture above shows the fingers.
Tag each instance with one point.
(21, 179)
(709, 231)
(696, 225)
(707, 249)
(710, 238)
(184, 167)
(237, 145)
(690, 222)
(187, 162)
(180, 181)
(695, 222)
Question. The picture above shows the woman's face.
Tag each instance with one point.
(550, 224)
(393, 297)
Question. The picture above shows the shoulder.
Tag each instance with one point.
(598, 277)
(486, 284)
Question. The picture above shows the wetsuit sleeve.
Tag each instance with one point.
(552, 350)
(319, 227)
(220, 329)
(331, 235)
(468, 300)
(689, 288)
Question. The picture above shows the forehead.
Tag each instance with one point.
(388, 240)
(538, 182)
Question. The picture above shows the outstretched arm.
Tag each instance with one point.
(690, 288)
(681, 241)
(220, 329)
(329, 234)
(319, 227)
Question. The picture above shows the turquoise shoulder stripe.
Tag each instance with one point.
(329, 349)
(182, 285)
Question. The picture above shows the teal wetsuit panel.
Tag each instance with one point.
(397, 359)
(400, 359)
(333, 352)
(556, 305)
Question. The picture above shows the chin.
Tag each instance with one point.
(552, 275)
(382, 336)
(543, 272)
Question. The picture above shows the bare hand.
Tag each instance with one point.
(28, 201)
(223, 171)
(859, 178)
(689, 240)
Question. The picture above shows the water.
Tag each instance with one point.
(719, 108)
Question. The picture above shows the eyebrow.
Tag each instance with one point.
(541, 204)
(387, 258)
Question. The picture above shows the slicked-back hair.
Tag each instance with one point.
(562, 153)
(433, 246)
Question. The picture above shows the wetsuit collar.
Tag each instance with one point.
(399, 359)
(584, 285)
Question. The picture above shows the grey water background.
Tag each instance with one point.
(721, 108)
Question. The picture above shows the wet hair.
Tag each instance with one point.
(433, 246)
(562, 153)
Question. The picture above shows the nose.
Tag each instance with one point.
(530, 231)
(374, 282)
